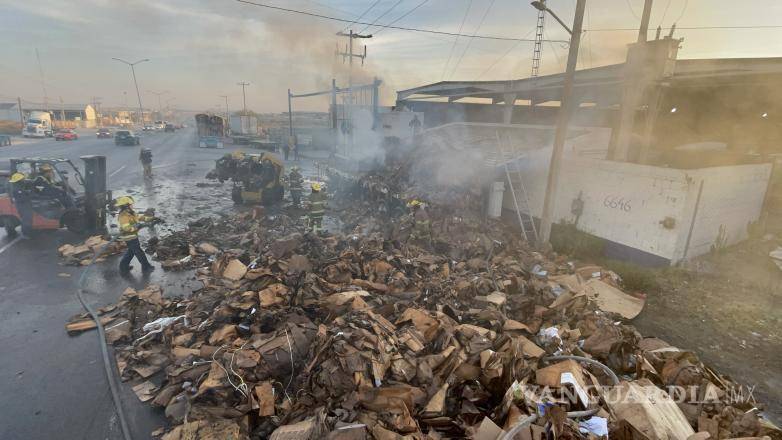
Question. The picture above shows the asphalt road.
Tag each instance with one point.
(53, 385)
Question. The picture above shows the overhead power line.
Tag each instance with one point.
(469, 43)
(401, 28)
(385, 26)
(665, 13)
(507, 52)
(450, 54)
(632, 11)
(684, 9)
(692, 28)
(352, 21)
(388, 11)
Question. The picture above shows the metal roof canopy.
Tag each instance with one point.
(602, 84)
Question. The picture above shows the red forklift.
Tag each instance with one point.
(72, 200)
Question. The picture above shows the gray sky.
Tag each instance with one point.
(201, 49)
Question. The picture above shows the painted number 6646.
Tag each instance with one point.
(615, 202)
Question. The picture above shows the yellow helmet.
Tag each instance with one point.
(124, 201)
(414, 203)
(16, 177)
(316, 186)
(238, 155)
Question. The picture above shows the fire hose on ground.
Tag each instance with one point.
(571, 414)
(108, 366)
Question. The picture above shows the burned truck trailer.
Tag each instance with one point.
(210, 130)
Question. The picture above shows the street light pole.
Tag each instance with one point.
(138, 94)
(244, 97)
(227, 118)
(563, 118)
(159, 106)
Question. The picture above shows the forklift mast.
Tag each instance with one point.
(96, 196)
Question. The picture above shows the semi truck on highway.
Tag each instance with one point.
(210, 130)
(38, 124)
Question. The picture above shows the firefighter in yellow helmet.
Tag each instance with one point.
(129, 224)
(317, 207)
(20, 188)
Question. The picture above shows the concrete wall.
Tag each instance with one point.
(622, 202)
(731, 199)
(629, 203)
(641, 207)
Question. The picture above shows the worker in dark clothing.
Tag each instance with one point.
(129, 224)
(267, 174)
(46, 186)
(296, 186)
(20, 188)
(317, 207)
(145, 157)
(415, 125)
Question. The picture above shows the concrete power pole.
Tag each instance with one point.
(159, 105)
(244, 96)
(21, 112)
(563, 118)
(95, 105)
(227, 117)
(350, 55)
(43, 81)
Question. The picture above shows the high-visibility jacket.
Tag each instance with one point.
(129, 224)
(421, 224)
(317, 204)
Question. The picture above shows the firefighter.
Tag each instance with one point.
(422, 226)
(317, 207)
(296, 186)
(145, 157)
(19, 186)
(47, 173)
(129, 224)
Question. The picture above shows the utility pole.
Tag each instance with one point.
(227, 116)
(647, 15)
(95, 104)
(21, 112)
(290, 114)
(138, 94)
(563, 118)
(350, 55)
(244, 96)
(62, 111)
(43, 81)
(159, 106)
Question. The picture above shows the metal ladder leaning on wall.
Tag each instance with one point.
(526, 222)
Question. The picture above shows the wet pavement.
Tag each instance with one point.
(53, 385)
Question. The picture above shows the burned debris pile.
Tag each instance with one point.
(367, 333)
(95, 246)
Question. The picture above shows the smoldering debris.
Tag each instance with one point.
(368, 332)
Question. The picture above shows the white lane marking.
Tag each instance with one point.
(117, 171)
(8, 246)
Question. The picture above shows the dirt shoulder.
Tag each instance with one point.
(726, 308)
